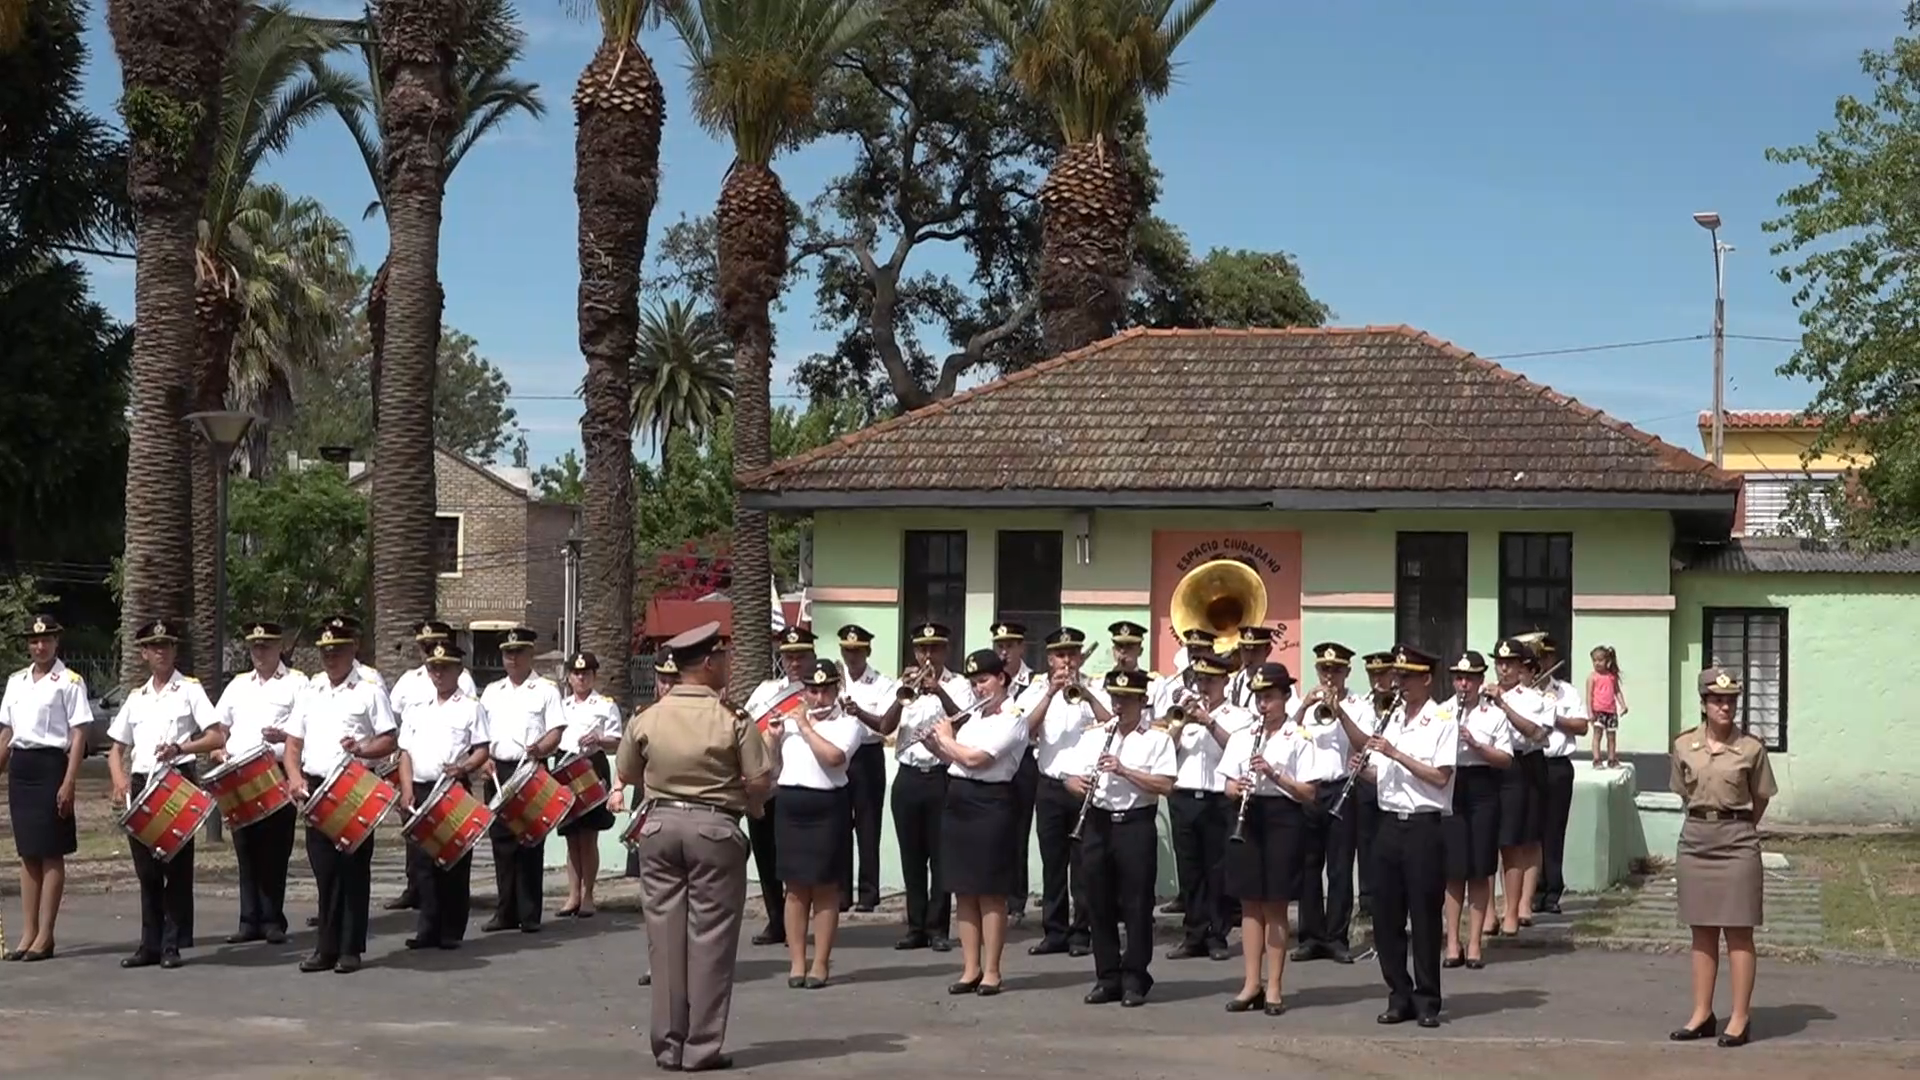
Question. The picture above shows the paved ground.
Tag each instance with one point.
(563, 1004)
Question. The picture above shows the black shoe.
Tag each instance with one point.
(1274, 1008)
(913, 941)
(449, 946)
(404, 902)
(1218, 951)
(348, 965)
(1133, 999)
(1080, 948)
(566, 913)
(770, 936)
(987, 989)
(1454, 962)
(1303, 953)
(714, 1064)
(1174, 907)
(313, 921)
(275, 937)
(1046, 948)
(795, 982)
(317, 962)
(245, 936)
(1704, 1030)
(1551, 907)
(846, 906)
(815, 982)
(422, 943)
(647, 979)
(1393, 1016)
(1429, 1020)
(1730, 1040)
(34, 956)
(12, 955)
(1364, 910)
(140, 958)
(496, 924)
(964, 986)
(1474, 963)
(529, 927)
(1186, 950)
(940, 943)
(170, 960)
(867, 907)
(1101, 995)
(1240, 1005)
(1338, 952)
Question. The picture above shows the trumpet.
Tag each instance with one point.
(1093, 777)
(1076, 691)
(911, 683)
(1179, 713)
(1325, 712)
(1246, 793)
(1380, 725)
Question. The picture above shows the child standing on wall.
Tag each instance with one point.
(1606, 703)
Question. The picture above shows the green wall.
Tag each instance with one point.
(1853, 748)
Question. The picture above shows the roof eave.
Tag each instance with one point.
(1293, 499)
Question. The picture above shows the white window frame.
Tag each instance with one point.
(459, 540)
(1788, 478)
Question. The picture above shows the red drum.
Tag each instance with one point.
(448, 823)
(532, 803)
(631, 835)
(575, 772)
(349, 804)
(166, 813)
(249, 788)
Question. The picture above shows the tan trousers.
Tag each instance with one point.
(693, 878)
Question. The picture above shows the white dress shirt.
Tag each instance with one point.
(801, 767)
(1535, 707)
(43, 712)
(435, 734)
(923, 712)
(1567, 705)
(1428, 736)
(1199, 752)
(415, 687)
(1281, 749)
(369, 673)
(871, 691)
(519, 715)
(355, 708)
(1489, 726)
(154, 716)
(251, 705)
(595, 714)
(1146, 750)
(1002, 734)
(1063, 747)
(1325, 747)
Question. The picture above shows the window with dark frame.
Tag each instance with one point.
(1026, 586)
(1752, 644)
(446, 543)
(1536, 590)
(1430, 592)
(933, 588)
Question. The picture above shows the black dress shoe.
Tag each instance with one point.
(12, 955)
(171, 960)
(1218, 951)
(1429, 1020)
(141, 958)
(566, 913)
(866, 907)
(940, 943)
(1302, 953)
(529, 927)
(1703, 1030)
(1338, 952)
(1079, 949)
(1186, 950)
(275, 937)
(1474, 963)
(403, 902)
(497, 924)
(1101, 995)
(987, 989)
(964, 986)
(313, 920)
(245, 936)
(449, 946)
(317, 962)
(34, 956)
(795, 982)
(912, 941)
(1393, 1016)
(815, 982)
(1274, 1008)
(348, 965)
(1730, 1040)
(712, 1064)
(1551, 907)
(1046, 948)
(422, 943)
(1240, 1004)
(770, 936)
(1133, 999)
(647, 979)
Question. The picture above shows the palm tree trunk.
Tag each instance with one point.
(1085, 245)
(377, 327)
(218, 315)
(418, 119)
(754, 232)
(172, 54)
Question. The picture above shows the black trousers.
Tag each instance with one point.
(1409, 887)
(344, 883)
(1026, 792)
(166, 895)
(1363, 807)
(1198, 829)
(1119, 857)
(918, 797)
(867, 787)
(1326, 910)
(766, 863)
(260, 852)
(519, 870)
(1063, 888)
(445, 897)
(1553, 849)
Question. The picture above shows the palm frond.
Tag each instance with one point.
(292, 261)
(682, 372)
(487, 98)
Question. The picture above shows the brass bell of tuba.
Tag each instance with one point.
(1218, 597)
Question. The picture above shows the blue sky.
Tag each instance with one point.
(1513, 175)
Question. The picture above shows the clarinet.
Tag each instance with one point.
(1093, 775)
(1379, 726)
(1246, 795)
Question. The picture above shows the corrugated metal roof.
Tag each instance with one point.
(1789, 555)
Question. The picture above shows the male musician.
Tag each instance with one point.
(867, 772)
(443, 736)
(342, 715)
(699, 765)
(1570, 721)
(1364, 800)
(1128, 639)
(1010, 644)
(796, 663)
(1198, 810)
(920, 784)
(162, 725)
(525, 722)
(1256, 645)
(1194, 643)
(1328, 741)
(1059, 729)
(1120, 838)
(1411, 763)
(255, 708)
(414, 687)
(368, 673)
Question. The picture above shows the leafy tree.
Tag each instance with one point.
(299, 550)
(20, 600)
(563, 481)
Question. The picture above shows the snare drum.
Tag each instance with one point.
(448, 823)
(349, 804)
(249, 788)
(532, 803)
(166, 813)
(576, 772)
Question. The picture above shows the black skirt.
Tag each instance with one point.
(811, 830)
(1473, 832)
(1266, 865)
(977, 842)
(33, 801)
(598, 819)
(1523, 800)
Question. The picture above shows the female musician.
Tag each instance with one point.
(1472, 833)
(810, 758)
(977, 839)
(1263, 867)
(1523, 787)
(43, 719)
(593, 728)
(1726, 780)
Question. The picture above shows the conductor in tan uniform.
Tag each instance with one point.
(699, 765)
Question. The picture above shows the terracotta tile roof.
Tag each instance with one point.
(1760, 419)
(1254, 411)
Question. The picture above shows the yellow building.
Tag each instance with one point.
(1769, 449)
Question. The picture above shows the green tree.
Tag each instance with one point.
(562, 481)
(20, 600)
(299, 550)
(682, 372)
(1227, 288)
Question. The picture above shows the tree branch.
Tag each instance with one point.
(970, 357)
(103, 253)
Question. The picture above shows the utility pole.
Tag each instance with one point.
(570, 614)
(1710, 221)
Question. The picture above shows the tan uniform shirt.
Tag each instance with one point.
(1726, 779)
(693, 746)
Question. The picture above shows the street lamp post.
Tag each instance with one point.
(1710, 221)
(223, 432)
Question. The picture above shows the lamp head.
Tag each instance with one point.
(1708, 220)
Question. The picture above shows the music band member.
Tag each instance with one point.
(1198, 811)
(1328, 720)
(796, 663)
(1255, 647)
(255, 708)
(810, 758)
(416, 685)
(525, 721)
(867, 774)
(1411, 763)
(977, 843)
(697, 765)
(341, 716)
(43, 719)
(1120, 838)
(1570, 721)
(1473, 830)
(925, 694)
(1260, 768)
(1364, 803)
(1060, 719)
(162, 725)
(1523, 787)
(593, 727)
(1010, 644)
(445, 736)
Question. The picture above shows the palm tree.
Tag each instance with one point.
(682, 373)
(619, 109)
(755, 67)
(172, 56)
(1091, 62)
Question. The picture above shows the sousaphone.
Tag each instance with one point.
(1218, 597)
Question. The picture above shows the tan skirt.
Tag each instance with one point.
(1720, 882)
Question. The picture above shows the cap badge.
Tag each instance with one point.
(1724, 682)
(440, 652)
(39, 626)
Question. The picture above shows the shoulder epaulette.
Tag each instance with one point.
(189, 678)
(296, 673)
(74, 676)
(740, 713)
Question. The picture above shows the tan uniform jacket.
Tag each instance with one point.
(1728, 779)
(694, 746)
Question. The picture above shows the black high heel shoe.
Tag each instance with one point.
(1454, 962)
(1730, 1040)
(1704, 1030)
(1239, 1004)
(965, 986)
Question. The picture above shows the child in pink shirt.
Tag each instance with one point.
(1606, 703)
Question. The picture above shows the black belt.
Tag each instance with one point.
(1408, 815)
(1191, 793)
(924, 769)
(1121, 817)
(1702, 813)
(61, 750)
(689, 804)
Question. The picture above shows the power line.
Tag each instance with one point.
(1609, 347)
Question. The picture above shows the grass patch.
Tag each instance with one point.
(1869, 888)
(1600, 919)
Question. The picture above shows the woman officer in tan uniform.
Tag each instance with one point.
(1723, 776)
